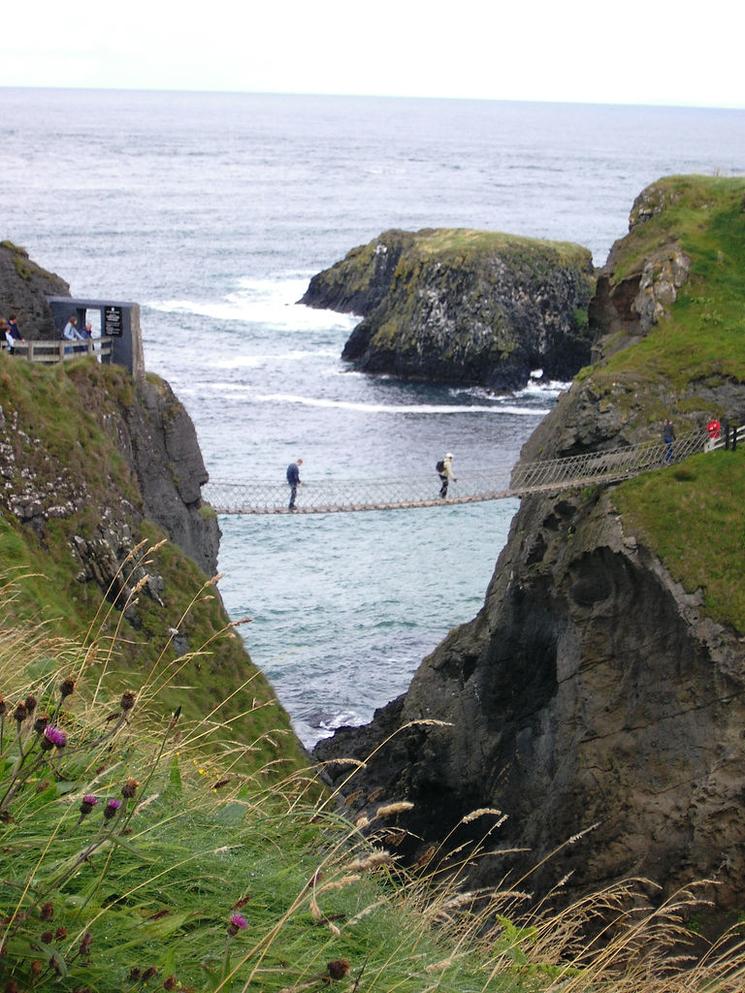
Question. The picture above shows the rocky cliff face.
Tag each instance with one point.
(462, 306)
(159, 441)
(594, 690)
(24, 287)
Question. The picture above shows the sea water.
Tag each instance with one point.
(213, 211)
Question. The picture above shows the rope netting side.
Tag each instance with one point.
(333, 495)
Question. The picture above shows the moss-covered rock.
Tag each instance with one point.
(463, 306)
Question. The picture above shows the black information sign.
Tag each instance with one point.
(112, 322)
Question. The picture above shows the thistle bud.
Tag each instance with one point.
(127, 701)
(30, 703)
(40, 723)
(111, 808)
(47, 911)
(337, 969)
(129, 788)
(20, 713)
(66, 688)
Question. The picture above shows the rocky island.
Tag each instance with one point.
(463, 306)
(600, 688)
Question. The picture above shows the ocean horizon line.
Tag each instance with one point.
(388, 97)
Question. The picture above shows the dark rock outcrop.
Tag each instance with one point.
(165, 453)
(24, 287)
(462, 306)
(591, 691)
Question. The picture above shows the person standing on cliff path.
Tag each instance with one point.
(12, 334)
(293, 480)
(668, 437)
(446, 474)
(72, 332)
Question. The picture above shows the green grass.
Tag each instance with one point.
(201, 836)
(458, 241)
(692, 516)
(703, 339)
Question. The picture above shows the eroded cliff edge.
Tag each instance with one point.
(603, 682)
(462, 306)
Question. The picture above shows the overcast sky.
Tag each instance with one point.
(631, 52)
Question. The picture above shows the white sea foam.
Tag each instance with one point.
(402, 408)
(347, 718)
(545, 390)
(259, 361)
(550, 389)
(270, 302)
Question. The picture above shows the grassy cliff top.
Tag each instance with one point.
(447, 242)
(703, 338)
(692, 515)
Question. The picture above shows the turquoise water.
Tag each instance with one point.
(337, 603)
(213, 211)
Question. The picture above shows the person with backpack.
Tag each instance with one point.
(444, 469)
(293, 480)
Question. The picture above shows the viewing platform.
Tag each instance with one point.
(117, 336)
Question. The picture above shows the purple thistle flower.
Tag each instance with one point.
(112, 805)
(87, 804)
(53, 738)
(237, 923)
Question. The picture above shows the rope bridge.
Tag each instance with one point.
(327, 496)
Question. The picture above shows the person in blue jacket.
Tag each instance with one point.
(293, 480)
(668, 438)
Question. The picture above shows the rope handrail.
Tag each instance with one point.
(339, 495)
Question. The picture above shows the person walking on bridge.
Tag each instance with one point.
(446, 474)
(668, 437)
(293, 480)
